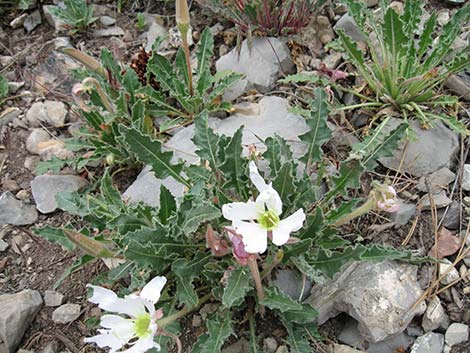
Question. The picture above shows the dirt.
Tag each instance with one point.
(34, 263)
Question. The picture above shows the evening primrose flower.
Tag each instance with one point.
(256, 220)
(138, 328)
(386, 198)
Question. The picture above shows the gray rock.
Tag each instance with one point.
(36, 137)
(440, 200)
(429, 343)
(466, 177)
(13, 211)
(460, 84)
(435, 315)
(45, 188)
(241, 346)
(456, 333)
(451, 276)
(66, 313)
(53, 298)
(352, 337)
(32, 21)
(269, 345)
(154, 29)
(431, 150)
(17, 311)
(51, 347)
(49, 112)
(58, 24)
(347, 23)
(341, 348)
(8, 115)
(146, 188)
(108, 32)
(452, 217)
(107, 21)
(437, 181)
(3, 245)
(262, 65)
(404, 213)
(14, 87)
(18, 21)
(290, 283)
(378, 295)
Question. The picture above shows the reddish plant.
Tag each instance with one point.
(271, 17)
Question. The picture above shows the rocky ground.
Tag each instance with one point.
(378, 308)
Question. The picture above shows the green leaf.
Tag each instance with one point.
(3, 87)
(190, 220)
(55, 235)
(304, 316)
(219, 330)
(149, 151)
(345, 208)
(297, 338)
(198, 347)
(167, 205)
(277, 153)
(392, 29)
(185, 292)
(191, 269)
(73, 203)
(206, 140)
(276, 300)
(300, 78)
(234, 166)
(284, 182)
(425, 40)
(110, 193)
(238, 284)
(348, 177)
(204, 53)
(319, 132)
(54, 165)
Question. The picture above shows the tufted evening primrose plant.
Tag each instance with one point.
(139, 328)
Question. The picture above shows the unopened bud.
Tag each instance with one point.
(182, 14)
(89, 245)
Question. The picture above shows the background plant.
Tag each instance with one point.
(269, 17)
(171, 239)
(76, 13)
(404, 72)
(135, 97)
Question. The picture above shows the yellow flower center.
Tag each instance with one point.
(268, 220)
(141, 325)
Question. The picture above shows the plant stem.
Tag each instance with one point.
(253, 264)
(276, 261)
(186, 310)
(366, 207)
(184, 37)
(254, 345)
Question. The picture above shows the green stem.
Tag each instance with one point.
(361, 210)
(254, 346)
(360, 105)
(183, 312)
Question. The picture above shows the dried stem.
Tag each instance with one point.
(253, 264)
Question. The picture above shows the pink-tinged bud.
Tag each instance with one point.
(218, 246)
(334, 75)
(89, 245)
(158, 314)
(387, 199)
(182, 13)
(238, 248)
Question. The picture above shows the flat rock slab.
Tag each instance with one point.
(429, 343)
(262, 62)
(17, 311)
(45, 188)
(429, 151)
(272, 118)
(66, 313)
(378, 295)
(16, 212)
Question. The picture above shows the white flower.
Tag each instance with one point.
(253, 220)
(139, 327)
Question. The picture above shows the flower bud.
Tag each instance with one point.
(182, 14)
(89, 245)
(386, 198)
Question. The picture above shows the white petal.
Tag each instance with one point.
(152, 290)
(106, 339)
(270, 199)
(142, 345)
(240, 210)
(109, 301)
(254, 237)
(256, 178)
(291, 224)
(121, 328)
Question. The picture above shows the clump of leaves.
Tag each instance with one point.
(187, 238)
(269, 17)
(408, 65)
(75, 13)
(175, 81)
